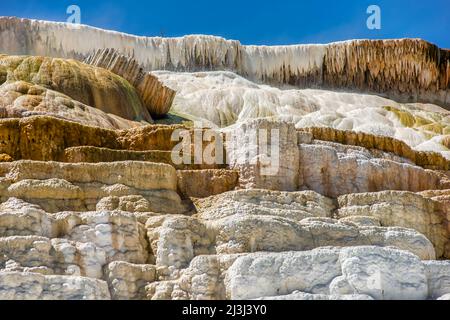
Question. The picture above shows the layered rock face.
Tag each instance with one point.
(287, 194)
(117, 223)
(408, 69)
(423, 127)
(91, 86)
(156, 97)
(22, 99)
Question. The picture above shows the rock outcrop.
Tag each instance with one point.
(157, 98)
(22, 99)
(46, 138)
(127, 229)
(406, 69)
(95, 87)
(286, 194)
(429, 160)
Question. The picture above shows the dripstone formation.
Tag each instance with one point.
(156, 97)
(94, 204)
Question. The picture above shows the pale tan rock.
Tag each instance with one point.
(387, 144)
(55, 256)
(405, 209)
(134, 186)
(205, 183)
(265, 153)
(329, 171)
(32, 286)
(93, 154)
(127, 281)
(139, 175)
(157, 97)
(292, 205)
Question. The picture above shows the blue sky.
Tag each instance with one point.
(253, 22)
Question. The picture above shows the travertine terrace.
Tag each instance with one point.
(93, 204)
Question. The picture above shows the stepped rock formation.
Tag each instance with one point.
(91, 86)
(409, 69)
(424, 127)
(22, 99)
(125, 227)
(156, 97)
(311, 194)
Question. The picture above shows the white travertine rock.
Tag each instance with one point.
(410, 69)
(240, 222)
(438, 274)
(32, 286)
(364, 273)
(271, 274)
(20, 218)
(241, 233)
(293, 205)
(399, 208)
(119, 234)
(297, 295)
(127, 281)
(236, 100)
(202, 280)
(327, 170)
(176, 240)
(383, 273)
(55, 256)
(259, 220)
(256, 220)
(265, 153)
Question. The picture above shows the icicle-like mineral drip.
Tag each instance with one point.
(299, 64)
(408, 70)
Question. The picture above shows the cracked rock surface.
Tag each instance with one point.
(95, 206)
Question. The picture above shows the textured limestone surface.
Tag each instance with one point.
(46, 138)
(265, 153)
(95, 87)
(22, 99)
(156, 97)
(34, 286)
(408, 69)
(314, 195)
(117, 220)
